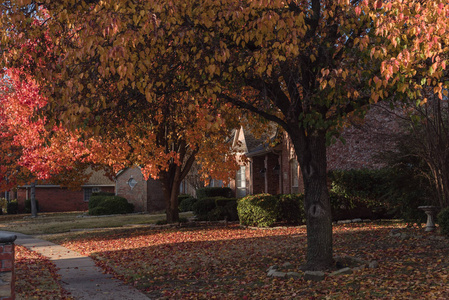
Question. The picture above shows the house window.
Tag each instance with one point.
(216, 183)
(294, 176)
(132, 182)
(87, 194)
(240, 182)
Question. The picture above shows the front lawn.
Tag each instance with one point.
(231, 262)
(50, 223)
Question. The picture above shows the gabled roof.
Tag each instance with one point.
(256, 145)
(99, 178)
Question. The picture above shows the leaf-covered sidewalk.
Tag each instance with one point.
(36, 276)
(231, 262)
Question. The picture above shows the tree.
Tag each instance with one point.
(306, 65)
(423, 145)
(30, 152)
(163, 132)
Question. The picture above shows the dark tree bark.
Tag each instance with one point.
(33, 200)
(312, 159)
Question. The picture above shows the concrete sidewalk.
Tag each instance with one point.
(79, 274)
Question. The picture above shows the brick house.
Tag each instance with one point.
(272, 166)
(146, 195)
(54, 198)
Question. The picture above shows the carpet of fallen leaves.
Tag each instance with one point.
(36, 277)
(231, 262)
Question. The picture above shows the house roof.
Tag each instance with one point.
(99, 178)
(257, 145)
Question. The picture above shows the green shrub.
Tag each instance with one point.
(226, 208)
(258, 210)
(187, 204)
(94, 201)
(101, 193)
(28, 206)
(443, 221)
(217, 214)
(291, 208)
(209, 192)
(3, 205)
(98, 211)
(182, 197)
(12, 207)
(110, 205)
(202, 207)
(383, 193)
(231, 211)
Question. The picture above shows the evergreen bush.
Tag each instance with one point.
(291, 209)
(258, 210)
(202, 207)
(384, 193)
(109, 205)
(12, 207)
(182, 197)
(101, 193)
(187, 204)
(209, 192)
(215, 209)
(3, 205)
(94, 201)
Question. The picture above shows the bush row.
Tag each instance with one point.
(264, 210)
(109, 205)
(215, 209)
(383, 193)
(209, 192)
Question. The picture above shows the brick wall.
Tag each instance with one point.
(56, 199)
(7, 276)
(136, 195)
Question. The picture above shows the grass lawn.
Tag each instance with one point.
(50, 223)
(231, 262)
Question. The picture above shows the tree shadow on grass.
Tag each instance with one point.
(231, 262)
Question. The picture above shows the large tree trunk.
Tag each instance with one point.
(311, 153)
(171, 191)
(171, 181)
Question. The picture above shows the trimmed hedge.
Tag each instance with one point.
(215, 209)
(264, 210)
(187, 204)
(94, 201)
(12, 207)
(443, 221)
(101, 193)
(291, 209)
(373, 194)
(109, 205)
(258, 210)
(209, 192)
(182, 197)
